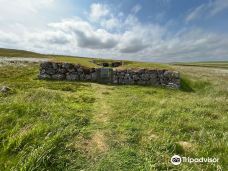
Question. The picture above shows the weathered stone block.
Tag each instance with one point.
(46, 65)
(50, 71)
(55, 66)
(44, 76)
(88, 77)
(94, 76)
(72, 76)
(42, 71)
(58, 76)
(62, 70)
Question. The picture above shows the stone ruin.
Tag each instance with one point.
(76, 72)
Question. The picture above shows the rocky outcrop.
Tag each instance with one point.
(75, 72)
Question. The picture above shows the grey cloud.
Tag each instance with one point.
(87, 36)
(133, 46)
(51, 37)
(190, 46)
(8, 38)
(58, 40)
(93, 42)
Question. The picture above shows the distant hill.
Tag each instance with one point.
(18, 53)
(85, 61)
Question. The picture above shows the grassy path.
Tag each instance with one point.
(102, 108)
(94, 140)
(100, 120)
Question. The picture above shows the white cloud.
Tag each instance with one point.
(98, 10)
(131, 21)
(209, 9)
(51, 37)
(136, 9)
(87, 36)
(20, 6)
(196, 13)
(111, 23)
(8, 38)
(113, 36)
(140, 37)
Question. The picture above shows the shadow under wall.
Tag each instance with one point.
(186, 85)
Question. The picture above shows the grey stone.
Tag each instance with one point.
(62, 71)
(141, 82)
(55, 66)
(42, 71)
(168, 74)
(173, 85)
(50, 71)
(82, 77)
(46, 65)
(67, 65)
(115, 79)
(80, 70)
(88, 77)
(153, 76)
(5, 89)
(135, 77)
(153, 82)
(58, 76)
(72, 77)
(94, 76)
(44, 76)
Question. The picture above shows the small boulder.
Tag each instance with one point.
(5, 89)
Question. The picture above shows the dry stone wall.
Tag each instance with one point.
(75, 72)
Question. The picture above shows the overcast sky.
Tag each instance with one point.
(148, 30)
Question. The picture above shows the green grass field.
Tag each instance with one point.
(60, 125)
(209, 64)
